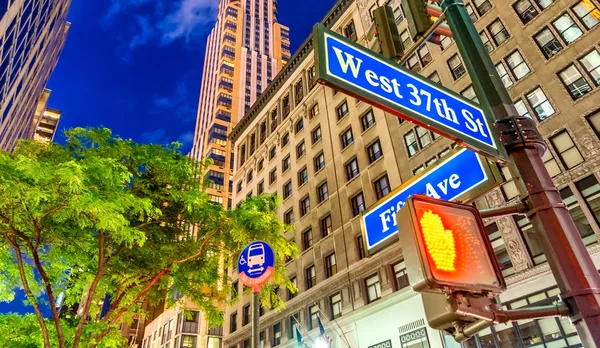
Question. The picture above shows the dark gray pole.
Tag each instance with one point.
(255, 315)
(568, 258)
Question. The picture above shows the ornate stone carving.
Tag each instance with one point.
(495, 198)
(591, 146)
(514, 245)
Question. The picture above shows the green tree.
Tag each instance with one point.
(104, 215)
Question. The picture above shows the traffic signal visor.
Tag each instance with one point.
(446, 247)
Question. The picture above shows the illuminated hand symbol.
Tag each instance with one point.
(439, 241)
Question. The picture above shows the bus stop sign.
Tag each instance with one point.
(256, 265)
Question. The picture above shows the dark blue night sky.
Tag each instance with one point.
(135, 66)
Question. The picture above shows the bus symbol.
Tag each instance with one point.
(256, 255)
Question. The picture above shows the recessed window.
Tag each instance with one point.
(316, 134)
(566, 28)
(575, 83)
(543, 4)
(517, 65)
(304, 206)
(299, 125)
(588, 13)
(400, 275)
(590, 191)
(540, 104)
(322, 192)
(298, 91)
(509, 188)
(352, 169)
(525, 10)
(591, 64)
(260, 165)
(413, 63)
(294, 320)
(260, 188)
(311, 277)
(335, 302)
(249, 176)
(500, 251)
(233, 322)
(286, 163)
(471, 13)
(285, 139)
(521, 108)
(382, 186)
(287, 189)
(469, 93)
(330, 265)
(288, 216)
(456, 66)
(410, 140)
(548, 43)
(314, 111)
(551, 164)
(302, 176)
(374, 151)
(350, 31)
(483, 6)
(272, 176)
(360, 248)
(358, 204)
(424, 55)
(313, 315)
(567, 151)
(246, 315)
(276, 334)
(291, 294)
(307, 239)
(486, 41)
(424, 137)
(300, 149)
(326, 227)
(239, 186)
(373, 288)
(405, 38)
(498, 32)
(435, 77)
(367, 120)
(272, 152)
(503, 74)
(346, 138)
(342, 110)
(594, 121)
(319, 162)
(576, 211)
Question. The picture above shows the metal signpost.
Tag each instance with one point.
(460, 175)
(256, 265)
(358, 71)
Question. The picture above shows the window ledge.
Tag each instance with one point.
(299, 158)
(375, 162)
(348, 146)
(368, 129)
(322, 202)
(316, 142)
(352, 179)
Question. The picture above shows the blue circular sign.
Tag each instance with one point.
(256, 264)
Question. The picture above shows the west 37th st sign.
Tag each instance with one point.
(347, 66)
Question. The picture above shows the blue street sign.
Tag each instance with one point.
(358, 71)
(458, 174)
(256, 264)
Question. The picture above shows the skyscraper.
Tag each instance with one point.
(244, 51)
(32, 35)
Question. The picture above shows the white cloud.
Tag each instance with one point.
(188, 16)
(186, 139)
(145, 32)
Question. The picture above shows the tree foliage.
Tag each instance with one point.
(104, 215)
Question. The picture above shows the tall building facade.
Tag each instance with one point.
(332, 157)
(245, 50)
(32, 35)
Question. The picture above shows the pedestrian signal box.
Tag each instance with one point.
(446, 248)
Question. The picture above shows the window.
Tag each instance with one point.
(311, 277)
(498, 32)
(373, 288)
(249, 176)
(302, 176)
(591, 64)
(483, 6)
(300, 149)
(358, 204)
(307, 239)
(285, 139)
(272, 152)
(299, 125)
(543, 4)
(239, 186)
(276, 334)
(424, 137)
(313, 314)
(456, 67)
(446, 41)
(574, 82)
(294, 320)
(326, 227)
(352, 169)
(521, 108)
(288, 216)
(594, 121)
(335, 302)
(517, 65)
(330, 265)
(548, 43)
(590, 190)
(435, 77)
(509, 188)
(413, 63)
(566, 28)
(291, 294)
(286, 163)
(566, 149)
(367, 120)
(287, 189)
(551, 164)
(469, 93)
(374, 151)
(350, 31)
(400, 276)
(410, 140)
(188, 341)
(316, 134)
(382, 187)
(528, 232)
(577, 214)
(360, 248)
(405, 38)
(471, 13)
(398, 16)
(322, 192)
(486, 41)
(246, 315)
(525, 10)
(314, 111)
(319, 162)
(304, 206)
(262, 339)
(347, 138)
(298, 91)
(342, 110)
(504, 76)
(260, 165)
(233, 322)
(272, 176)
(587, 12)
(424, 55)
(539, 103)
(260, 188)
(499, 247)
